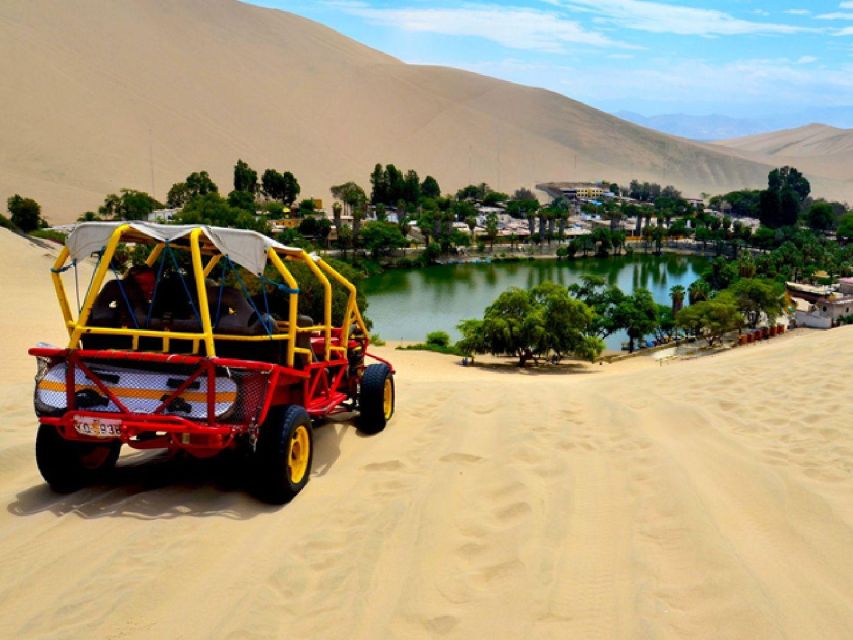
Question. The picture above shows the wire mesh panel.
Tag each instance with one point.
(169, 389)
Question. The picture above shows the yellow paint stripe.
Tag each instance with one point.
(146, 394)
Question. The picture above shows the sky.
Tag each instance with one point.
(739, 58)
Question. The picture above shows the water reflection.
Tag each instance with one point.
(407, 304)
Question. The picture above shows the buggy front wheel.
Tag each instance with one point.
(283, 454)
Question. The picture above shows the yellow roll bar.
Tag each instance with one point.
(318, 268)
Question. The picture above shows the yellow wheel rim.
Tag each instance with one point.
(298, 454)
(388, 398)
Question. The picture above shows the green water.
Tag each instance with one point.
(406, 304)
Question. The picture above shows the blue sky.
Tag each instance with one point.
(739, 58)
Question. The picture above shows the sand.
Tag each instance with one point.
(816, 149)
(700, 499)
(96, 96)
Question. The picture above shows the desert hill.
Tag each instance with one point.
(96, 96)
(816, 149)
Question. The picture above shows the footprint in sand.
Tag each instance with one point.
(461, 457)
(441, 624)
(390, 465)
(513, 512)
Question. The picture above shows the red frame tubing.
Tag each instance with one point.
(324, 403)
(382, 360)
(180, 432)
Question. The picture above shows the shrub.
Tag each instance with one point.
(438, 338)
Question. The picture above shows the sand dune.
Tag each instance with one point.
(816, 149)
(96, 96)
(705, 499)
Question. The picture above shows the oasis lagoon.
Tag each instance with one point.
(406, 304)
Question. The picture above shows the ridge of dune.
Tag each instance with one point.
(701, 499)
(96, 96)
(816, 149)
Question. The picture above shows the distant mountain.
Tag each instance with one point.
(96, 95)
(718, 127)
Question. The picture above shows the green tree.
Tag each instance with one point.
(307, 206)
(426, 224)
(199, 183)
(789, 178)
(345, 238)
(291, 188)
(473, 338)
(698, 291)
(212, 209)
(821, 216)
(25, 213)
(272, 184)
(568, 323)
(430, 188)
(710, 318)
(242, 200)
(845, 227)
(770, 209)
(351, 195)
(756, 297)
(245, 178)
(677, 294)
(528, 324)
(492, 229)
(603, 299)
(494, 198)
(337, 210)
(411, 187)
(379, 185)
(380, 238)
(638, 315)
(178, 196)
(130, 205)
(720, 274)
(603, 240)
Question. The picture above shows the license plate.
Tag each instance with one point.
(97, 427)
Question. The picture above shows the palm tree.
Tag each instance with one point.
(337, 210)
(359, 211)
(677, 295)
(531, 222)
(698, 291)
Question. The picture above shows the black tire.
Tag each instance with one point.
(68, 465)
(282, 464)
(375, 409)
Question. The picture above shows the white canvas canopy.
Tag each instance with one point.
(243, 247)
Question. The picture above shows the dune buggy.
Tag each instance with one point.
(202, 347)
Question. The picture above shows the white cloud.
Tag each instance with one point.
(846, 31)
(797, 12)
(516, 28)
(806, 60)
(836, 15)
(657, 17)
(767, 83)
(846, 5)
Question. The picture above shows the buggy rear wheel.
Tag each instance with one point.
(376, 398)
(283, 454)
(68, 465)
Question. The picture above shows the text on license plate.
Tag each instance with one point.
(98, 427)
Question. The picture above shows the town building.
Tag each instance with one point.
(821, 307)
